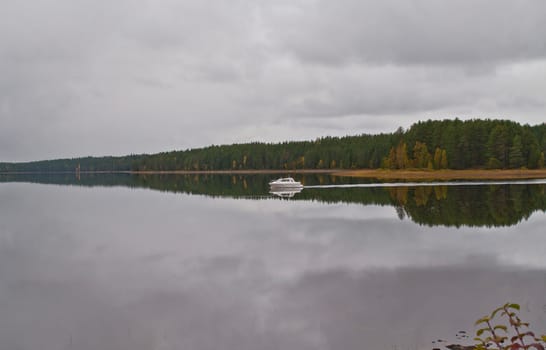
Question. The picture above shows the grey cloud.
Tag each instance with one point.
(74, 73)
(101, 77)
(362, 97)
(414, 32)
(56, 39)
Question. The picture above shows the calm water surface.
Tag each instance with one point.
(218, 263)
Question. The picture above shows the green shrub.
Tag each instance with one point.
(504, 330)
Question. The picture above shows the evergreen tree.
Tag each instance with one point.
(498, 145)
(515, 155)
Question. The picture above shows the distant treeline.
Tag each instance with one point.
(446, 144)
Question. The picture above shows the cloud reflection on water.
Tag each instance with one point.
(120, 269)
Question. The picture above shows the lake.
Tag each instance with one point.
(217, 262)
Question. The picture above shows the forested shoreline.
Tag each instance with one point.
(433, 144)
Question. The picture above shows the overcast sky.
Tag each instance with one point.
(103, 77)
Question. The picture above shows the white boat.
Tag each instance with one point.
(285, 182)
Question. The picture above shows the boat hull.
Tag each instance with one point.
(286, 186)
(286, 183)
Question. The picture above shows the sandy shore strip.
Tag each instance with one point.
(385, 174)
(444, 175)
(379, 174)
(237, 172)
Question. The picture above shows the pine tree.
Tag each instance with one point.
(515, 156)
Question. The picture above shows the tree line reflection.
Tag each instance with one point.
(484, 205)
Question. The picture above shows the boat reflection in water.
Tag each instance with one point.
(285, 193)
